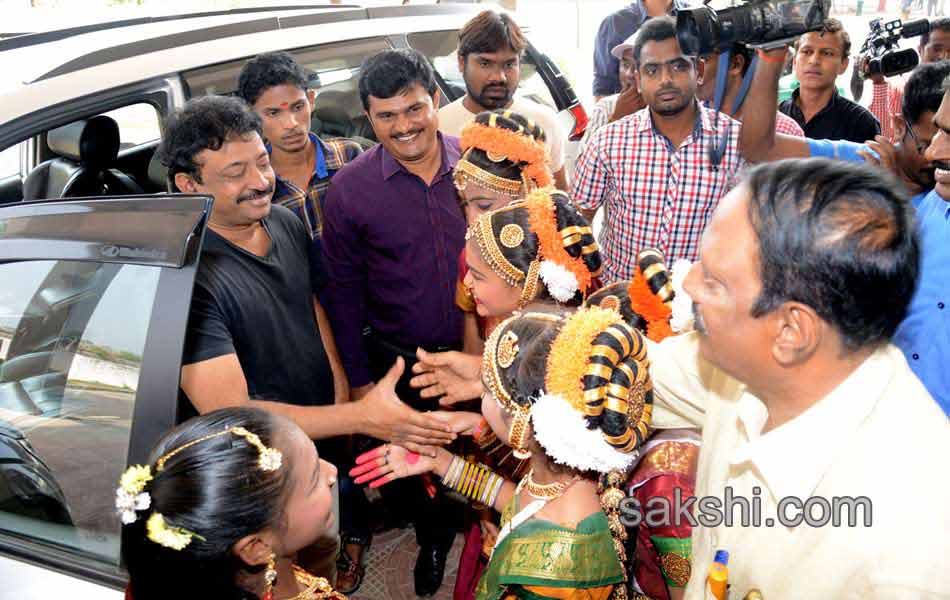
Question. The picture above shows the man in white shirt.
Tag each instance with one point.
(489, 55)
(806, 270)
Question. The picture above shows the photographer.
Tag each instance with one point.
(913, 126)
(820, 57)
(887, 97)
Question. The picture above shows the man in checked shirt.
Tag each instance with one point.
(277, 88)
(661, 171)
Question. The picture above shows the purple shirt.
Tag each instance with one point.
(391, 246)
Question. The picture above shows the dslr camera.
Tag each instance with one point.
(763, 23)
(880, 48)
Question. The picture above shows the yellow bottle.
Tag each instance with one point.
(718, 576)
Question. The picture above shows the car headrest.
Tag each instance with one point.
(337, 106)
(93, 142)
(158, 173)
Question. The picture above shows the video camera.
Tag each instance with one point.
(880, 47)
(702, 30)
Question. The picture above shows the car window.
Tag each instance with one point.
(72, 335)
(334, 71)
(138, 124)
(440, 47)
(10, 161)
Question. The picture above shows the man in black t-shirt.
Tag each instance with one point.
(257, 334)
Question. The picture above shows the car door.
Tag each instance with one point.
(94, 297)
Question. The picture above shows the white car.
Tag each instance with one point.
(94, 291)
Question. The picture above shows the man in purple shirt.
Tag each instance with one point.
(392, 234)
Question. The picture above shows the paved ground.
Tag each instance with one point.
(389, 568)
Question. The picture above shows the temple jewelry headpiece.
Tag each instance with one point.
(500, 143)
(131, 495)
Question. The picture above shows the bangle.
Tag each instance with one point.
(770, 58)
(474, 481)
(454, 472)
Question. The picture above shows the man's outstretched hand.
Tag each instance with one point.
(386, 417)
(450, 376)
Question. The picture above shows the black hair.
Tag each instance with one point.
(390, 72)
(838, 237)
(941, 24)
(616, 295)
(924, 91)
(656, 29)
(512, 121)
(490, 31)
(204, 123)
(522, 255)
(215, 490)
(834, 26)
(270, 70)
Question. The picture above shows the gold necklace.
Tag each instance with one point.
(545, 491)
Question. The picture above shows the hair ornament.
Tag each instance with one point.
(649, 306)
(515, 147)
(542, 218)
(511, 235)
(131, 496)
(495, 157)
(163, 534)
(507, 349)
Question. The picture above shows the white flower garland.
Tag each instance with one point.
(561, 283)
(682, 305)
(563, 433)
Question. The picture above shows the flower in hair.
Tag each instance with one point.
(649, 306)
(561, 283)
(682, 305)
(270, 459)
(162, 534)
(130, 495)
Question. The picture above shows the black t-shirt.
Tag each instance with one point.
(841, 119)
(261, 308)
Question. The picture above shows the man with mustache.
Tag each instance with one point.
(820, 57)
(253, 335)
(806, 269)
(658, 172)
(392, 236)
(489, 58)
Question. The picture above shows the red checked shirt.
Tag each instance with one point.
(655, 195)
(886, 102)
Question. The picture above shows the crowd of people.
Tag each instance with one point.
(426, 331)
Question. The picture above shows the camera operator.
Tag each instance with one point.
(820, 57)
(887, 97)
(913, 126)
(740, 58)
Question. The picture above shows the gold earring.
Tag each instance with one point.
(270, 577)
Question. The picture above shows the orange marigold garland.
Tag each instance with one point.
(646, 304)
(517, 147)
(542, 219)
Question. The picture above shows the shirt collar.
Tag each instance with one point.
(835, 99)
(793, 458)
(320, 158)
(450, 156)
(933, 202)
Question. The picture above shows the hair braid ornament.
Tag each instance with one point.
(587, 381)
(131, 495)
(516, 147)
(563, 274)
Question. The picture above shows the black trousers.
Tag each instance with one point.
(436, 519)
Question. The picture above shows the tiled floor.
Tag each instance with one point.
(389, 568)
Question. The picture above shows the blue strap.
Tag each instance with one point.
(746, 84)
(722, 74)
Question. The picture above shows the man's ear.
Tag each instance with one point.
(185, 183)
(255, 549)
(461, 64)
(797, 334)
(736, 64)
(844, 65)
(899, 125)
(436, 96)
(701, 70)
(312, 98)
(636, 80)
